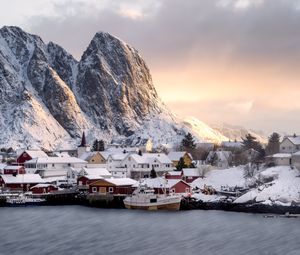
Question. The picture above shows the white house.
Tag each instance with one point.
(140, 166)
(116, 166)
(220, 159)
(53, 166)
(290, 144)
(280, 159)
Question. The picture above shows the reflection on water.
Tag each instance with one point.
(82, 230)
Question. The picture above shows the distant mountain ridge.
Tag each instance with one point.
(48, 98)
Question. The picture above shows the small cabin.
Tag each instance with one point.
(114, 186)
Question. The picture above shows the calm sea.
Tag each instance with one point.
(83, 230)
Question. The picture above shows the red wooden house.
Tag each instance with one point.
(20, 182)
(86, 180)
(115, 186)
(43, 188)
(161, 185)
(29, 155)
(176, 175)
(14, 170)
(190, 174)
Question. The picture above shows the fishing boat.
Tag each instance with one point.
(144, 199)
(23, 200)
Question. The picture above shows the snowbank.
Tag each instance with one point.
(226, 177)
(283, 189)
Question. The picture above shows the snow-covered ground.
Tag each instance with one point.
(281, 185)
(282, 190)
(226, 177)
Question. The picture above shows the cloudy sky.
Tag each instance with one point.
(233, 61)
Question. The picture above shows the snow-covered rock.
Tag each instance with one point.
(283, 189)
(48, 98)
(231, 177)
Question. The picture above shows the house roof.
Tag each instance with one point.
(230, 144)
(194, 172)
(12, 167)
(35, 153)
(294, 139)
(281, 155)
(53, 160)
(176, 155)
(43, 185)
(119, 157)
(22, 178)
(174, 173)
(100, 172)
(88, 155)
(121, 181)
(158, 182)
(149, 158)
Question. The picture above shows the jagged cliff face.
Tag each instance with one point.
(37, 106)
(48, 98)
(114, 85)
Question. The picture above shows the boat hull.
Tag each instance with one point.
(167, 207)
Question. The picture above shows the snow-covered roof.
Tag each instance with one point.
(55, 160)
(119, 157)
(121, 181)
(281, 155)
(230, 144)
(22, 178)
(176, 155)
(296, 153)
(88, 155)
(35, 153)
(62, 154)
(148, 158)
(174, 173)
(191, 172)
(96, 172)
(105, 154)
(294, 139)
(12, 167)
(43, 185)
(158, 182)
(2, 166)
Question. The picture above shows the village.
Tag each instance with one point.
(103, 175)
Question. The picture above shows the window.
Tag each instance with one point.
(52, 165)
(111, 189)
(69, 164)
(187, 190)
(94, 189)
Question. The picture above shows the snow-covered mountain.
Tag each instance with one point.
(233, 132)
(48, 98)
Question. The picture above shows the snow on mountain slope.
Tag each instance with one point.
(48, 98)
(200, 129)
(237, 132)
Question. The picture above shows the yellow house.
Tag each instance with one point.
(175, 156)
(94, 157)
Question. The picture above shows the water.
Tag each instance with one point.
(82, 230)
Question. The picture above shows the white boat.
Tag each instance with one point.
(145, 199)
(23, 200)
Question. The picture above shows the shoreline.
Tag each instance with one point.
(186, 205)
